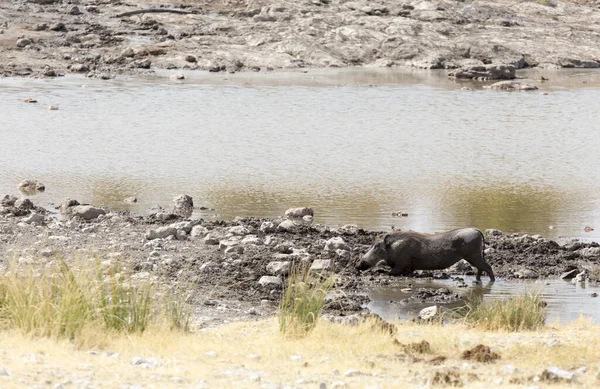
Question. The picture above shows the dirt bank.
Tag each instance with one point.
(47, 38)
(233, 270)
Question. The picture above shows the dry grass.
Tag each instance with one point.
(302, 301)
(324, 355)
(61, 301)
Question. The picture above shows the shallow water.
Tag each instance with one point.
(566, 301)
(356, 145)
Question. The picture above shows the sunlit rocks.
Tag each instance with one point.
(31, 187)
(299, 213)
(183, 206)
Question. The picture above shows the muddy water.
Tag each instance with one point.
(356, 145)
(566, 301)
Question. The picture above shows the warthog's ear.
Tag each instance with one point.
(387, 239)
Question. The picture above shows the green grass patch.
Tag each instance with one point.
(302, 301)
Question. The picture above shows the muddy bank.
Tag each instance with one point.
(47, 38)
(234, 270)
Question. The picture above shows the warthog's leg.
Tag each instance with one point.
(402, 266)
(482, 266)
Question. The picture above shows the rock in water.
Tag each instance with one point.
(31, 187)
(184, 206)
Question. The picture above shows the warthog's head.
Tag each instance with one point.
(377, 253)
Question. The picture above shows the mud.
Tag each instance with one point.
(49, 38)
(220, 278)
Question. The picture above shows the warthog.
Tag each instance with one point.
(407, 251)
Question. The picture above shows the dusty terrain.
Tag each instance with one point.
(255, 355)
(46, 38)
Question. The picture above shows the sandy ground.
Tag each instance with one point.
(255, 355)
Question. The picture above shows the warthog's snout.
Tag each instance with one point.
(362, 264)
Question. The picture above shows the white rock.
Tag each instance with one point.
(252, 239)
(211, 354)
(185, 226)
(338, 385)
(4, 372)
(286, 225)
(224, 244)
(343, 253)
(429, 312)
(268, 227)
(321, 264)
(336, 243)
(270, 281)
(279, 268)
(297, 213)
(199, 232)
(160, 233)
(86, 212)
(493, 232)
(211, 239)
(590, 252)
(34, 218)
(555, 374)
(239, 230)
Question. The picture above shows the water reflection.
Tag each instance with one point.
(566, 302)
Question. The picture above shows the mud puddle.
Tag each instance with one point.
(566, 301)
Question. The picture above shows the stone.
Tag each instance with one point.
(345, 254)
(429, 313)
(321, 264)
(160, 233)
(59, 27)
(554, 374)
(286, 225)
(127, 53)
(211, 239)
(252, 240)
(74, 10)
(31, 186)
(191, 58)
(484, 72)
(299, 213)
(512, 86)
(226, 243)
(24, 204)
(268, 227)
(4, 372)
(86, 212)
(199, 231)
(130, 200)
(67, 204)
(270, 281)
(24, 42)
(336, 243)
(184, 226)
(239, 230)
(183, 205)
(278, 268)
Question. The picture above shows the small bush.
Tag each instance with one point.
(302, 301)
(526, 312)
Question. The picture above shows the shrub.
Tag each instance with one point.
(302, 301)
(525, 312)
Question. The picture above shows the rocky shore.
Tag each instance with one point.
(49, 38)
(234, 270)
